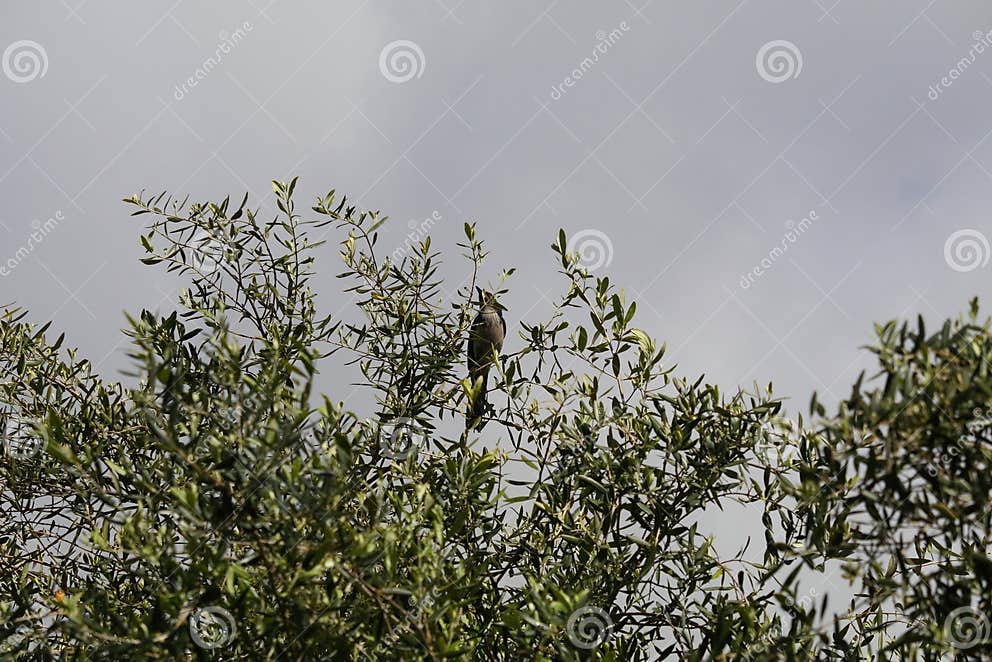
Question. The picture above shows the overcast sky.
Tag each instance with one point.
(689, 146)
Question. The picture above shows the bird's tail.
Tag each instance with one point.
(477, 406)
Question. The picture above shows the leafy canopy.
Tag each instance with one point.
(217, 507)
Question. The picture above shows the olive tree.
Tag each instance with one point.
(213, 505)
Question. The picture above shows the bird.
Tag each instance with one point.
(485, 341)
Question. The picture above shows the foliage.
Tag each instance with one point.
(219, 508)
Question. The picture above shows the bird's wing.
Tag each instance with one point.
(472, 348)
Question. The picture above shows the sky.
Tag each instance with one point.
(765, 178)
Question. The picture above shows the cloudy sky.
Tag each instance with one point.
(837, 151)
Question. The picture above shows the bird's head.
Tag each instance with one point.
(488, 299)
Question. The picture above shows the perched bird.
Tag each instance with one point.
(485, 340)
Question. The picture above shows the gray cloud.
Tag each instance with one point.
(671, 143)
